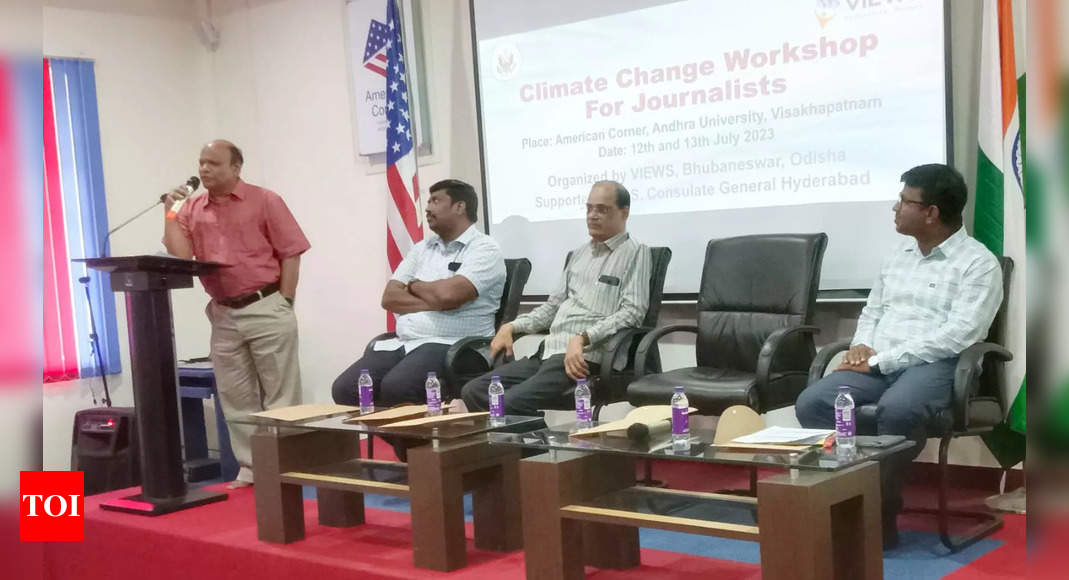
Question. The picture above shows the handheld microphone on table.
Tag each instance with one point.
(190, 186)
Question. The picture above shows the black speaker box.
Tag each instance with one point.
(105, 447)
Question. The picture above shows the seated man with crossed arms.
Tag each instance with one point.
(448, 287)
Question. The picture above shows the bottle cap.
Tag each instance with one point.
(678, 388)
(494, 379)
(363, 371)
(432, 374)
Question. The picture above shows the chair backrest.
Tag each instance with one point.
(994, 334)
(659, 260)
(990, 379)
(752, 286)
(517, 271)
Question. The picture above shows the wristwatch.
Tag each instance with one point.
(585, 337)
(874, 363)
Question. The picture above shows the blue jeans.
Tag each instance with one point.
(907, 399)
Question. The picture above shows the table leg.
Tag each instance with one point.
(279, 506)
(557, 548)
(340, 509)
(821, 525)
(496, 505)
(437, 497)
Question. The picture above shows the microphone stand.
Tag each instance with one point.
(94, 338)
(107, 238)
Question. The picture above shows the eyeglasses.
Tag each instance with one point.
(920, 203)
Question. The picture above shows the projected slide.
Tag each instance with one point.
(702, 107)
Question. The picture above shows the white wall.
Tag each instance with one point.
(152, 109)
(281, 86)
(278, 85)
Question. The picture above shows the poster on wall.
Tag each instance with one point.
(368, 34)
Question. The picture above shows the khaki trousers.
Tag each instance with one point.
(254, 353)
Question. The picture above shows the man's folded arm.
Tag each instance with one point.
(397, 299)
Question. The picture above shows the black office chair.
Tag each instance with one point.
(610, 385)
(464, 361)
(754, 341)
(976, 407)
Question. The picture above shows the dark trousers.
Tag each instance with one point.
(908, 399)
(531, 385)
(398, 377)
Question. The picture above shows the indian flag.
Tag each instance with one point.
(1000, 210)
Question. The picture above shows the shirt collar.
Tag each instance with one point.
(240, 190)
(944, 249)
(464, 238)
(611, 243)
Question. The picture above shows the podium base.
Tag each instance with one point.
(141, 505)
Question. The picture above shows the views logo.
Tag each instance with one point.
(51, 506)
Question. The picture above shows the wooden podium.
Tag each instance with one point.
(147, 282)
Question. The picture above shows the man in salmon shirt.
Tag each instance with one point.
(254, 330)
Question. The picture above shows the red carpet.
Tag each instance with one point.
(219, 541)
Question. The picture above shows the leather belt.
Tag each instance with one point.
(246, 299)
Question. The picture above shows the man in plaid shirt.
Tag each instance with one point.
(936, 295)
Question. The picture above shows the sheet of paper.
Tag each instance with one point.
(391, 414)
(648, 414)
(438, 419)
(785, 435)
(388, 345)
(309, 411)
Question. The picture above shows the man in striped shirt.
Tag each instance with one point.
(936, 295)
(604, 288)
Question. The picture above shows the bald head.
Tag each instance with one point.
(220, 166)
(235, 153)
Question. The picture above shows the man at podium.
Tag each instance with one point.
(254, 329)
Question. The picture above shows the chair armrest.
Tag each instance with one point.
(619, 345)
(472, 345)
(967, 375)
(772, 347)
(823, 359)
(650, 341)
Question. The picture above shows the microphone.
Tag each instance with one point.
(190, 186)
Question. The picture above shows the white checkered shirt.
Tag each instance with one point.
(604, 288)
(481, 262)
(927, 308)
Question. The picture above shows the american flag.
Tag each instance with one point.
(404, 214)
(375, 49)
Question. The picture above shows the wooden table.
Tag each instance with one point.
(583, 508)
(434, 480)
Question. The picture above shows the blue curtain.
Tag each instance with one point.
(85, 208)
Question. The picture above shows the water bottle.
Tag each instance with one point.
(366, 392)
(680, 420)
(583, 417)
(497, 401)
(434, 394)
(844, 419)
